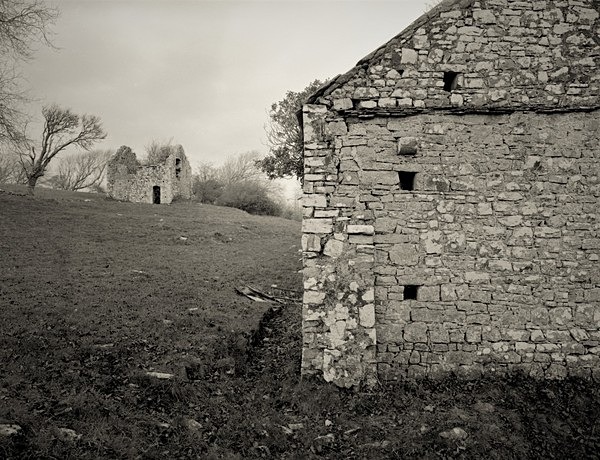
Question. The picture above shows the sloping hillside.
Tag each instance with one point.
(95, 294)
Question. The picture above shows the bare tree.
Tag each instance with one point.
(22, 23)
(81, 170)
(11, 171)
(241, 168)
(158, 151)
(205, 171)
(239, 173)
(62, 129)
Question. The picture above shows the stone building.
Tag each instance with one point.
(452, 199)
(164, 178)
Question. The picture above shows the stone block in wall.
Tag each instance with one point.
(448, 292)
(390, 333)
(326, 213)
(474, 277)
(557, 336)
(473, 334)
(409, 56)
(428, 294)
(579, 334)
(337, 128)
(484, 16)
(317, 226)
(314, 200)
(438, 334)
(361, 239)
(342, 104)
(378, 177)
(311, 243)
(424, 314)
(360, 229)
(404, 254)
(560, 315)
(367, 315)
(415, 332)
(408, 146)
(333, 248)
(556, 371)
(459, 357)
(592, 295)
(398, 311)
(365, 92)
(313, 297)
(385, 224)
(432, 241)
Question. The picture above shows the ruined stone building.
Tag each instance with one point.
(160, 181)
(452, 199)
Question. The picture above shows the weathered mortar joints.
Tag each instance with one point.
(169, 177)
(451, 199)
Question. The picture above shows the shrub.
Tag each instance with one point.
(251, 197)
(207, 191)
(291, 212)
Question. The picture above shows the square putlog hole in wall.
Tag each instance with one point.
(410, 292)
(450, 81)
(407, 180)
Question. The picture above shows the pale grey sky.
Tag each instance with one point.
(203, 73)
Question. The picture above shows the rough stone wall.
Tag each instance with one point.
(127, 180)
(498, 239)
(506, 54)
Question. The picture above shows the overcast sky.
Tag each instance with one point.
(203, 73)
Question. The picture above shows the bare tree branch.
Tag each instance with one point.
(158, 151)
(11, 171)
(22, 24)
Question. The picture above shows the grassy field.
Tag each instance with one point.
(94, 294)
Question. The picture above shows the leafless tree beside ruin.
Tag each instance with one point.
(243, 168)
(79, 171)
(158, 151)
(62, 129)
(238, 175)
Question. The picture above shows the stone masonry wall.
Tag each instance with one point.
(500, 234)
(505, 54)
(455, 229)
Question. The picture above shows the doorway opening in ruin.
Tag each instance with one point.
(156, 194)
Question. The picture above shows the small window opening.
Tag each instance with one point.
(177, 167)
(450, 80)
(410, 292)
(407, 180)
